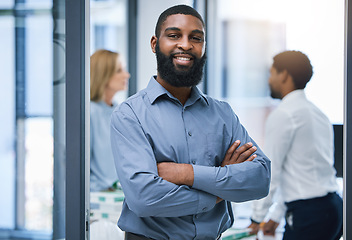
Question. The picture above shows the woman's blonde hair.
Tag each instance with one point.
(103, 64)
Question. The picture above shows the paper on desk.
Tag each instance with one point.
(234, 234)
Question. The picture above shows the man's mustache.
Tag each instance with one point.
(187, 53)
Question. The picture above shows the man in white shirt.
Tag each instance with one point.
(299, 141)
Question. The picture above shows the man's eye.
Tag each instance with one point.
(198, 39)
(173, 36)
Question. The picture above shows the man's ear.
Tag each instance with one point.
(153, 43)
(284, 75)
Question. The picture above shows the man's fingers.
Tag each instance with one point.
(230, 151)
(254, 227)
(241, 150)
(251, 158)
(243, 153)
(238, 154)
(234, 146)
(246, 154)
(270, 227)
(244, 148)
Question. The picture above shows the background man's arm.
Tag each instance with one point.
(277, 144)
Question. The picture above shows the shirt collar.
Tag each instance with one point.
(154, 90)
(195, 95)
(299, 93)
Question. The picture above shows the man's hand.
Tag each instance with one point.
(255, 228)
(177, 173)
(237, 154)
(241, 154)
(269, 227)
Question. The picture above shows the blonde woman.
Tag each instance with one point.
(107, 77)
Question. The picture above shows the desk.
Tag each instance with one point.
(105, 210)
(106, 205)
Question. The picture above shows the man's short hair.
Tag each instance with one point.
(178, 9)
(297, 65)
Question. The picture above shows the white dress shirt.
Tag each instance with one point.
(299, 142)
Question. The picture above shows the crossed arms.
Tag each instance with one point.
(182, 174)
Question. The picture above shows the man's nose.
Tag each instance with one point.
(185, 44)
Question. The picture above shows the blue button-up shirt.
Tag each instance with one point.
(152, 126)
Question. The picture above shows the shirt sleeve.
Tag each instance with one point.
(278, 209)
(147, 194)
(237, 182)
(278, 137)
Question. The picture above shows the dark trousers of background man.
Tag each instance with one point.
(314, 219)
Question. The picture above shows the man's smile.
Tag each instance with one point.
(182, 59)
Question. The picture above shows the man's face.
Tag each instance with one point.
(274, 83)
(180, 50)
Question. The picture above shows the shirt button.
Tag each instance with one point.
(193, 162)
(189, 134)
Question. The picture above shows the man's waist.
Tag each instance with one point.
(295, 193)
(295, 203)
(206, 225)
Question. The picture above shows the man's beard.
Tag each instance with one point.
(274, 94)
(179, 78)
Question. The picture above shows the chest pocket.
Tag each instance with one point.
(217, 145)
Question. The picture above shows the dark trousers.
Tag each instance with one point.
(314, 219)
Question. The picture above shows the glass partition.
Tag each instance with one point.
(109, 30)
(28, 125)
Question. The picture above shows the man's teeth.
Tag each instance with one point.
(183, 58)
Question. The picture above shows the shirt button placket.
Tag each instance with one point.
(195, 220)
(190, 134)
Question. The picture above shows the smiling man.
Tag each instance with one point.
(181, 156)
